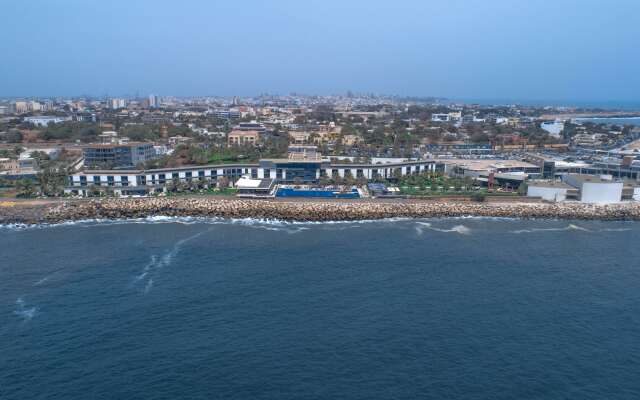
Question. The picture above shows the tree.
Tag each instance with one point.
(26, 188)
(223, 182)
(173, 185)
(478, 197)
(348, 178)
(51, 182)
(13, 136)
(522, 189)
(324, 180)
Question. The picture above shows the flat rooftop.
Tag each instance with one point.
(549, 184)
(485, 164)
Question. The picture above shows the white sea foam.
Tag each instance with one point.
(41, 281)
(460, 229)
(148, 286)
(158, 262)
(24, 312)
(570, 227)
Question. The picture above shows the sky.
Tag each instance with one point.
(472, 49)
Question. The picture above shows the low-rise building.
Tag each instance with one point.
(243, 138)
(116, 156)
(550, 190)
(595, 189)
(45, 120)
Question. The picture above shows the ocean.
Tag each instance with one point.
(620, 121)
(469, 308)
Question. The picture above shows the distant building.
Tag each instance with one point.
(452, 116)
(21, 107)
(554, 128)
(117, 103)
(45, 120)
(251, 126)
(116, 156)
(439, 117)
(240, 138)
(153, 101)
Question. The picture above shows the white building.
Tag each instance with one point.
(153, 101)
(554, 128)
(595, 189)
(45, 120)
(549, 190)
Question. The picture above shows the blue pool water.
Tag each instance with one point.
(428, 309)
(290, 192)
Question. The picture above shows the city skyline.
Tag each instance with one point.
(459, 50)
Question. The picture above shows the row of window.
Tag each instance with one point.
(161, 179)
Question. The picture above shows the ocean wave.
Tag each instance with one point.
(460, 229)
(160, 219)
(24, 312)
(158, 262)
(570, 227)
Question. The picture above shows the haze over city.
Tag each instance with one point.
(535, 50)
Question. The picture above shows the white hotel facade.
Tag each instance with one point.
(138, 182)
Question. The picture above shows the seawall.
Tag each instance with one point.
(306, 210)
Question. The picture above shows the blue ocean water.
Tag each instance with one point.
(620, 121)
(209, 309)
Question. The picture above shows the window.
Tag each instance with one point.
(200, 174)
(96, 180)
(83, 181)
(110, 181)
(124, 180)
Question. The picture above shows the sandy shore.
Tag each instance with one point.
(55, 211)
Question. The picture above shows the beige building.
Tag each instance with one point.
(240, 138)
(9, 164)
(298, 137)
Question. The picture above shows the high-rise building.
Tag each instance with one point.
(118, 103)
(20, 107)
(153, 101)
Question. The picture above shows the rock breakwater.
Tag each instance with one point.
(310, 210)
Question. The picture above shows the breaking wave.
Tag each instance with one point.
(570, 227)
(460, 229)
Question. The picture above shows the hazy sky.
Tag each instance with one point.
(484, 49)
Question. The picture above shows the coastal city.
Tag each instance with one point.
(358, 200)
(346, 146)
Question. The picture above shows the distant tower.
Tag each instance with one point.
(153, 101)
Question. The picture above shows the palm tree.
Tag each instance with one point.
(26, 188)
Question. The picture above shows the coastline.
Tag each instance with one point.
(60, 211)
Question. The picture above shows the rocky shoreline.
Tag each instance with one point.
(63, 211)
